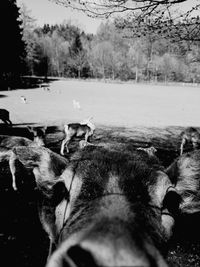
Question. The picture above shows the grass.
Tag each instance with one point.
(109, 104)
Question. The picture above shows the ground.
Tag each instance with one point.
(126, 114)
(112, 104)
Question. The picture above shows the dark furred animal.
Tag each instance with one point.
(107, 208)
(5, 116)
(184, 173)
(29, 132)
(47, 167)
(73, 130)
(37, 134)
(7, 143)
(190, 135)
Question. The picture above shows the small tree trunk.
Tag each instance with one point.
(104, 73)
(79, 73)
(136, 74)
(113, 74)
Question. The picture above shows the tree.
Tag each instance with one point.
(76, 46)
(29, 38)
(101, 59)
(181, 28)
(193, 63)
(12, 46)
(58, 53)
(151, 16)
(79, 61)
(78, 56)
(117, 48)
(137, 58)
(106, 8)
(170, 67)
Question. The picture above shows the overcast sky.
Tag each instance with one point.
(45, 11)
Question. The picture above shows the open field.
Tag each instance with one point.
(126, 114)
(108, 103)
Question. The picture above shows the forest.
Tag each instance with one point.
(120, 50)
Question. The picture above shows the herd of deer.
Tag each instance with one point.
(44, 161)
(83, 130)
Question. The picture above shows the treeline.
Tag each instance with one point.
(66, 51)
(112, 53)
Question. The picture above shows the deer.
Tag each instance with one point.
(7, 143)
(76, 104)
(5, 116)
(112, 208)
(23, 99)
(84, 129)
(190, 135)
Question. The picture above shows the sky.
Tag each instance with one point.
(45, 11)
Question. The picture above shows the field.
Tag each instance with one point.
(108, 103)
(130, 114)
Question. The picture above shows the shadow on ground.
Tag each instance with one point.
(2, 96)
(24, 124)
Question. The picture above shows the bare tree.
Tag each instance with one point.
(105, 8)
(176, 19)
(137, 58)
(79, 61)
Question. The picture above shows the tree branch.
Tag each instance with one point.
(106, 8)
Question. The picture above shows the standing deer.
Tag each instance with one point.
(84, 129)
(23, 99)
(190, 135)
(76, 104)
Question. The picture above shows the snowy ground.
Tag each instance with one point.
(108, 103)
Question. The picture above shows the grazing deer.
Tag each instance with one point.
(85, 130)
(5, 116)
(190, 135)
